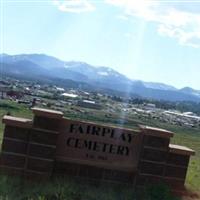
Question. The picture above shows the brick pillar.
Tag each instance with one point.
(15, 145)
(153, 155)
(161, 161)
(29, 147)
(176, 166)
(42, 142)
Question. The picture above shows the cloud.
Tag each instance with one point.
(184, 37)
(171, 20)
(74, 6)
(123, 17)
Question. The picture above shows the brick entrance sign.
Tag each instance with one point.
(51, 145)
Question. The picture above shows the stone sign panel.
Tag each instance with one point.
(98, 145)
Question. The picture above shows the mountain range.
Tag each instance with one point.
(44, 67)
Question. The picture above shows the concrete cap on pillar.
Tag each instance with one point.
(148, 130)
(47, 113)
(177, 149)
(17, 121)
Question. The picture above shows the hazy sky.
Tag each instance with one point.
(155, 41)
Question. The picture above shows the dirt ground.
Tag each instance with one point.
(188, 195)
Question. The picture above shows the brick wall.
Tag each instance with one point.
(29, 150)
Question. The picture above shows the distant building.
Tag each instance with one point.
(183, 115)
(89, 104)
(15, 94)
(69, 95)
(3, 91)
(189, 113)
(150, 106)
(59, 89)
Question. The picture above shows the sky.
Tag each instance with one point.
(155, 41)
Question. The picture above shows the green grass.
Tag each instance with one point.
(192, 141)
(68, 189)
(15, 109)
(8, 186)
(58, 189)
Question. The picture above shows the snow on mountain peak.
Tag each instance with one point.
(103, 73)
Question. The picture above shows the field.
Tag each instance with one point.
(68, 189)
